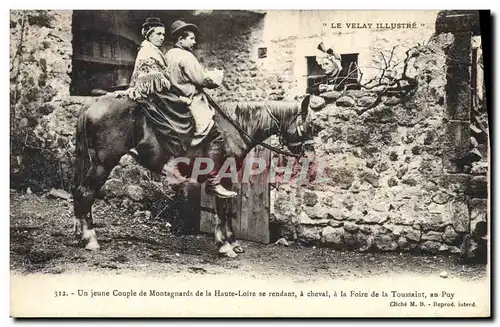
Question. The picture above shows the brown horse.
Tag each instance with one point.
(112, 126)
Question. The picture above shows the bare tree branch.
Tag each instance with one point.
(387, 83)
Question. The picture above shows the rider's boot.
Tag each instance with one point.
(213, 186)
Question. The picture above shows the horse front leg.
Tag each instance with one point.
(221, 236)
(230, 214)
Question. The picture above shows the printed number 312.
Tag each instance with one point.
(60, 293)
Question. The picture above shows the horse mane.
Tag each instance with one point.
(254, 117)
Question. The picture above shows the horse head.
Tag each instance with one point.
(291, 122)
(299, 134)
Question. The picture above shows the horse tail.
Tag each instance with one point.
(82, 153)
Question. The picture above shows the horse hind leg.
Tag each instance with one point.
(84, 198)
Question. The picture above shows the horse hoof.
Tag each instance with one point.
(227, 251)
(238, 249)
(230, 254)
(92, 246)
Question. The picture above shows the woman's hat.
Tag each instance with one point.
(329, 51)
(179, 25)
(329, 54)
(152, 22)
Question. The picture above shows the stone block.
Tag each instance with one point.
(351, 227)
(456, 146)
(431, 246)
(304, 219)
(392, 101)
(317, 212)
(308, 234)
(373, 218)
(381, 115)
(332, 236)
(412, 234)
(460, 215)
(440, 198)
(431, 236)
(371, 178)
(404, 244)
(395, 230)
(380, 206)
(310, 198)
(345, 101)
(434, 222)
(135, 192)
(366, 101)
(113, 188)
(385, 242)
(450, 236)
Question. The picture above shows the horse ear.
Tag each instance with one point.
(304, 106)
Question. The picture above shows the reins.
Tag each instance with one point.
(240, 129)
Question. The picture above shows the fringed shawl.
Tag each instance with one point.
(150, 72)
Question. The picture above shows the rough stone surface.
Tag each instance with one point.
(308, 234)
(385, 243)
(450, 236)
(42, 119)
(413, 235)
(431, 236)
(346, 101)
(404, 244)
(478, 214)
(431, 246)
(351, 227)
(460, 214)
(310, 198)
(332, 236)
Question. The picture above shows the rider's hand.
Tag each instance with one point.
(323, 87)
(186, 100)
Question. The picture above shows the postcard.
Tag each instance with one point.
(250, 163)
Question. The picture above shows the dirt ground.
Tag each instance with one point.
(41, 241)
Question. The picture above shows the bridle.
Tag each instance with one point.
(301, 129)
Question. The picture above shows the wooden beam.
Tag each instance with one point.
(100, 60)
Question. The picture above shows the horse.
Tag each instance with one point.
(110, 127)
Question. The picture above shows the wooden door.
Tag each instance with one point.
(251, 205)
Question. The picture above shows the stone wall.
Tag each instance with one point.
(231, 45)
(388, 188)
(41, 110)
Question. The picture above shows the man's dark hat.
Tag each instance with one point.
(179, 25)
(152, 22)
